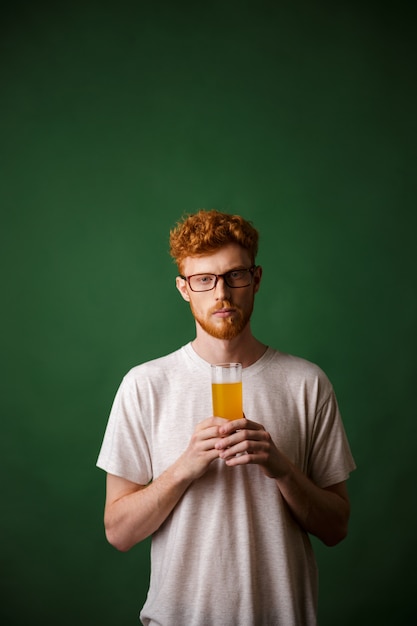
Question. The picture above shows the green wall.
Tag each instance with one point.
(118, 117)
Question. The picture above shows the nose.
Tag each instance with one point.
(222, 289)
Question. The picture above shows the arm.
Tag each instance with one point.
(133, 512)
(321, 512)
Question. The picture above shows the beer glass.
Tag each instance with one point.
(226, 386)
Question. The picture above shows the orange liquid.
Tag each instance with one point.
(227, 400)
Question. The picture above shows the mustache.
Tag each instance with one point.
(225, 304)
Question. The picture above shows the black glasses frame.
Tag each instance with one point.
(251, 270)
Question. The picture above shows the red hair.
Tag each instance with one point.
(207, 231)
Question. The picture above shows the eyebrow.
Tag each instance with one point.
(233, 269)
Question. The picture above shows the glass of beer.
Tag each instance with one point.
(226, 386)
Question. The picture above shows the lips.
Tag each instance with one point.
(224, 312)
(223, 307)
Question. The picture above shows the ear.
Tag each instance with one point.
(182, 288)
(257, 276)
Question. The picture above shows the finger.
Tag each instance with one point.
(207, 435)
(240, 424)
(211, 421)
(241, 459)
(240, 436)
(242, 447)
(245, 457)
(232, 425)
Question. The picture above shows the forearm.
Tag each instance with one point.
(139, 513)
(133, 512)
(321, 512)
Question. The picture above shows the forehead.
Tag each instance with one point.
(227, 258)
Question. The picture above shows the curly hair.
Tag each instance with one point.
(207, 231)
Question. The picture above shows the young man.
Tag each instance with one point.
(229, 505)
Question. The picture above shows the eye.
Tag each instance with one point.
(236, 274)
(204, 279)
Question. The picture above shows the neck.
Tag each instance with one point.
(245, 348)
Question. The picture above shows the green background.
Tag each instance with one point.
(118, 117)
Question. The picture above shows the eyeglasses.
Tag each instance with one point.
(233, 278)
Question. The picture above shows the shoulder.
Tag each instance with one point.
(294, 364)
(158, 367)
(301, 373)
(297, 365)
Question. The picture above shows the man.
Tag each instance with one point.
(229, 504)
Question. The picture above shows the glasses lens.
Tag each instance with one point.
(202, 282)
(238, 278)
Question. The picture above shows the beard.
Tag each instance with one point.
(227, 327)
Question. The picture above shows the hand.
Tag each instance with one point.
(201, 450)
(323, 512)
(243, 442)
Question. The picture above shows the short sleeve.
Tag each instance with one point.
(125, 450)
(330, 460)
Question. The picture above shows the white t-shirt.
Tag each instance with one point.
(230, 553)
